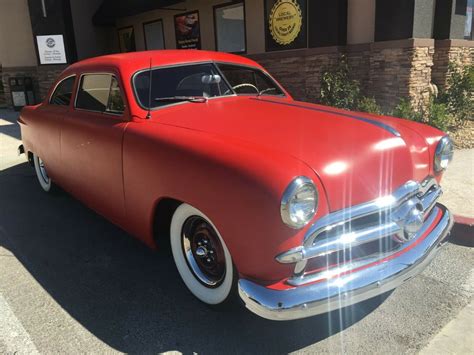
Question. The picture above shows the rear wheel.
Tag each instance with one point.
(201, 256)
(43, 178)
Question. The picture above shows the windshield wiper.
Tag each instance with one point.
(197, 99)
(260, 93)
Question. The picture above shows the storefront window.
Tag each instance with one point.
(229, 21)
(154, 37)
(468, 24)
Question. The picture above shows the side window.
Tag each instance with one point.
(101, 93)
(116, 104)
(93, 93)
(63, 93)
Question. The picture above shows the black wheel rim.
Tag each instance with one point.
(203, 251)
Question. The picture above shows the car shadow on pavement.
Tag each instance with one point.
(126, 295)
(8, 124)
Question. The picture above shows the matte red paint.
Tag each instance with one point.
(230, 157)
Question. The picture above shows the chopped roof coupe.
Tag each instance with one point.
(298, 208)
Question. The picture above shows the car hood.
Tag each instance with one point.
(358, 157)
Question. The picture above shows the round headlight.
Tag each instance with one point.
(443, 154)
(299, 202)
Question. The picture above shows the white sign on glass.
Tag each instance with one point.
(51, 49)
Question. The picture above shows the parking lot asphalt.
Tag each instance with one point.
(70, 281)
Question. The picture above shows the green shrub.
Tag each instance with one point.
(438, 115)
(452, 107)
(459, 96)
(435, 113)
(337, 89)
(405, 109)
(369, 105)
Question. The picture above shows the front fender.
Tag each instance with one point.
(237, 184)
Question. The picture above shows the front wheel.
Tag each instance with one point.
(43, 178)
(201, 256)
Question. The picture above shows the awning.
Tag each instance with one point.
(110, 10)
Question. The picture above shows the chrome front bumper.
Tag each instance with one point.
(352, 287)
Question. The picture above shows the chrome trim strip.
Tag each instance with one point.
(346, 290)
(350, 240)
(359, 118)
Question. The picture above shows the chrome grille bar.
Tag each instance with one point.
(334, 272)
(347, 228)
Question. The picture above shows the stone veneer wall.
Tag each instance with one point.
(300, 71)
(387, 71)
(3, 102)
(460, 52)
(43, 78)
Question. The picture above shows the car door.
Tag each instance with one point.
(47, 129)
(91, 144)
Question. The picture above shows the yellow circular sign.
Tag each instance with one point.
(285, 21)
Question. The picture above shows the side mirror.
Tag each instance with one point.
(211, 79)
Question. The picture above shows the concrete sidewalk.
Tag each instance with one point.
(458, 184)
(457, 337)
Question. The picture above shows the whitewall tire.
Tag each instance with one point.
(201, 256)
(42, 175)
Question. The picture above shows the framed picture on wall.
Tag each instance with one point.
(154, 35)
(188, 31)
(126, 39)
(229, 27)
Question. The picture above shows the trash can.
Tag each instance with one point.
(21, 88)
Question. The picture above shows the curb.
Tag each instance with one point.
(463, 231)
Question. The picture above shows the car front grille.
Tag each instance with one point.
(348, 239)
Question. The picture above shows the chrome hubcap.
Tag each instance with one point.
(203, 251)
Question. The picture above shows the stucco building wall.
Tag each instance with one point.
(17, 48)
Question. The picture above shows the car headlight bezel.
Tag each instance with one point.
(299, 186)
(443, 154)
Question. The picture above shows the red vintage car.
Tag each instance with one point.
(298, 208)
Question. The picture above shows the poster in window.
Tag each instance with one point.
(188, 32)
(285, 24)
(127, 39)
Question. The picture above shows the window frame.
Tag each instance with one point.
(216, 65)
(216, 42)
(53, 92)
(162, 33)
(111, 74)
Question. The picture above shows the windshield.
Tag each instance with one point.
(197, 82)
(246, 80)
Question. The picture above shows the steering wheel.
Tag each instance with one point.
(243, 85)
